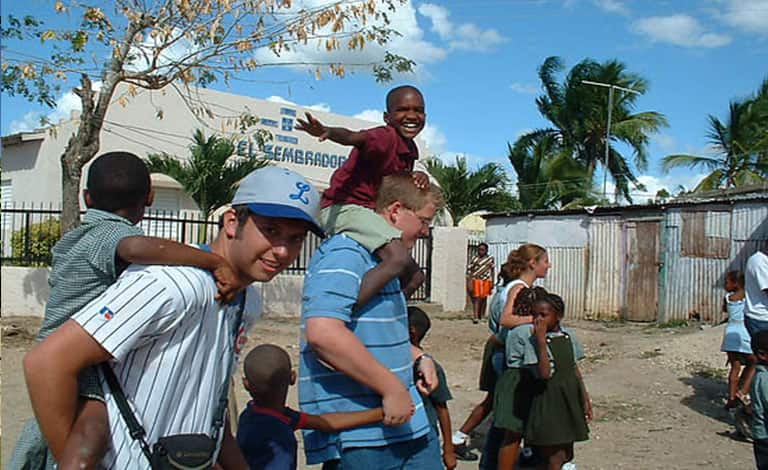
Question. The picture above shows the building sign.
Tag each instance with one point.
(286, 147)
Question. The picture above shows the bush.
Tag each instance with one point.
(42, 237)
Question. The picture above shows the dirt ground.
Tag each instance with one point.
(657, 392)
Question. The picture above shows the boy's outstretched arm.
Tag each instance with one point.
(444, 419)
(331, 422)
(54, 365)
(154, 250)
(340, 135)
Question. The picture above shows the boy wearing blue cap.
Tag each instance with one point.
(166, 338)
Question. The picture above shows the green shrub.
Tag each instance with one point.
(42, 237)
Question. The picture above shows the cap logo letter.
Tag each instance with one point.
(303, 188)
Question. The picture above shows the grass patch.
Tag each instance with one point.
(617, 411)
(702, 370)
(673, 324)
(651, 354)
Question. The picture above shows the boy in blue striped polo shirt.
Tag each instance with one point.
(355, 358)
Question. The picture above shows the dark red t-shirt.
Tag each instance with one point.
(385, 153)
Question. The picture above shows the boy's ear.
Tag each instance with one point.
(87, 198)
(246, 384)
(293, 377)
(150, 197)
(386, 117)
(229, 222)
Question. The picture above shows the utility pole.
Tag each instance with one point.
(611, 87)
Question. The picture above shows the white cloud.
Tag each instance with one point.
(680, 30)
(525, 88)
(466, 36)
(410, 43)
(180, 49)
(65, 105)
(747, 15)
(324, 107)
(439, 17)
(372, 115)
(434, 138)
(665, 142)
(612, 6)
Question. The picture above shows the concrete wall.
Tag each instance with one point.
(449, 264)
(24, 291)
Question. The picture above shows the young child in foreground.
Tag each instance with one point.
(349, 203)
(436, 404)
(265, 431)
(560, 407)
(736, 341)
(759, 392)
(86, 261)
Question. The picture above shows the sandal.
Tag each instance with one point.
(744, 399)
(464, 453)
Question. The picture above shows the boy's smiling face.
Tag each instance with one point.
(405, 112)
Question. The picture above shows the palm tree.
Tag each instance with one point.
(578, 114)
(210, 174)
(548, 177)
(740, 143)
(470, 191)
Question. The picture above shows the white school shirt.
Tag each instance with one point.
(172, 342)
(755, 283)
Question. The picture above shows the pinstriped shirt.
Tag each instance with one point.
(331, 287)
(171, 344)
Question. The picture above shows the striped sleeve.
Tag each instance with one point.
(139, 306)
(334, 285)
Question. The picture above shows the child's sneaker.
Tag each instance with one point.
(464, 453)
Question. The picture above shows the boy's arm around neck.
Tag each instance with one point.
(332, 422)
(161, 251)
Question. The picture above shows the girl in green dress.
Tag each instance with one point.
(560, 407)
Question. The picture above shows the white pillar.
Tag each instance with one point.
(449, 265)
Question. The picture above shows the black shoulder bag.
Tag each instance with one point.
(179, 451)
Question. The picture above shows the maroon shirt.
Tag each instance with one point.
(357, 181)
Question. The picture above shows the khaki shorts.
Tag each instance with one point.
(360, 224)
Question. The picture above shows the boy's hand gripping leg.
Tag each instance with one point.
(88, 441)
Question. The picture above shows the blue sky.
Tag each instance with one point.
(478, 64)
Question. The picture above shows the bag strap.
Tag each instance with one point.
(218, 417)
(136, 430)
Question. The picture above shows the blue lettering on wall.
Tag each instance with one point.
(268, 122)
(248, 148)
(287, 124)
(242, 146)
(288, 111)
(287, 138)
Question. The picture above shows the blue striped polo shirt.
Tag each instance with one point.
(331, 286)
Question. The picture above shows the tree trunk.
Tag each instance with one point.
(83, 146)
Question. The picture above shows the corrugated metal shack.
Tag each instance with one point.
(641, 263)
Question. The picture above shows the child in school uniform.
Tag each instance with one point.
(512, 397)
(736, 342)
(560, 406)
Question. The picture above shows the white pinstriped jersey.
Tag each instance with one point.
(171, 342)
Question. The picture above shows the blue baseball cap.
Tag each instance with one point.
(274, 191)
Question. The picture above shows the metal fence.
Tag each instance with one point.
(29, 233)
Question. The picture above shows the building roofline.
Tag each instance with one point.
(20, 137)
(746, 194)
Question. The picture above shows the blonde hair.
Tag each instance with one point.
(400, 187)
(519, 259)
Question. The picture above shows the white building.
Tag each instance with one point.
(31, 160)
